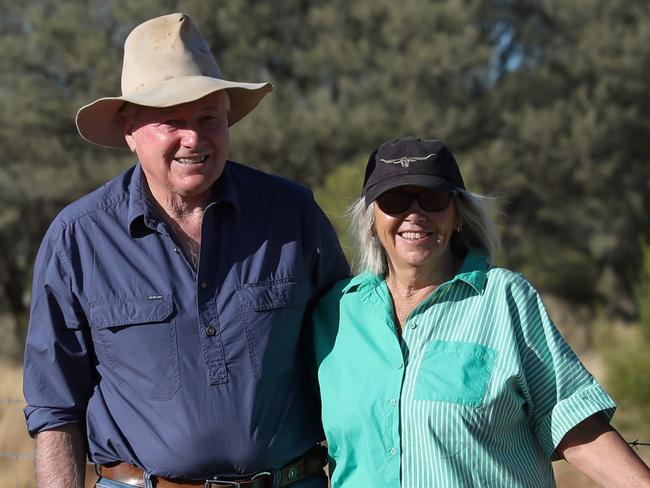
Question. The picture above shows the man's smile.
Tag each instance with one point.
(192, 160)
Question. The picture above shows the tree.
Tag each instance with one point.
(569, 145)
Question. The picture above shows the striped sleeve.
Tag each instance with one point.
(562, 393)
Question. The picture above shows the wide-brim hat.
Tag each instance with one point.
(166, 62)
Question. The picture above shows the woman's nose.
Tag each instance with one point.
(414, 212)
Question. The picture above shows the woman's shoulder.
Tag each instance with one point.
(337, 289)
(347, 290)
(333, 295)
(505, 278)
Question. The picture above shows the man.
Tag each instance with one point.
(165, 330)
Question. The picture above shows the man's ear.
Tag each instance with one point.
(127, 124)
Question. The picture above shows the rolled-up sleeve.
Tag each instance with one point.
(57, 379)
(562, 392)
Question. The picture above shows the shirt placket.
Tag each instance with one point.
(206, 303)
(416, 333)
(393, 377)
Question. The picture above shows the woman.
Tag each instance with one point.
(438, 369)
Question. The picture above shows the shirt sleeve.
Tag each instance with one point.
(561, 393)
(57, 374)
(331, 264)
(330, 267)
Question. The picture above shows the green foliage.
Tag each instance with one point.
(570, 148)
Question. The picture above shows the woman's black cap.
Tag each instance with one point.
(411, 161)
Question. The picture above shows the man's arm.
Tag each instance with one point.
(60, 458)
(596, 449)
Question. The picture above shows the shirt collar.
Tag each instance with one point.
(473, 271)
(141, 214)
(363, 280)
(226, 189)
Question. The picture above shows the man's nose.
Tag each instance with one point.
(190, 136)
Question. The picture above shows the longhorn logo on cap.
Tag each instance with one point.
(405, 161)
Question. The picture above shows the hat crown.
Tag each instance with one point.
(427, 163)
(165, 48)
(409, 147)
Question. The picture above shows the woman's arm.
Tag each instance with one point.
(596, 449)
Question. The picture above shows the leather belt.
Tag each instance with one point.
(307, 465)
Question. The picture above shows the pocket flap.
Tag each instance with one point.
(131, 311)
(266, 295)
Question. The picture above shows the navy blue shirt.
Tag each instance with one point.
(184, 372)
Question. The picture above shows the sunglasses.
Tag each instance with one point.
(396, 202)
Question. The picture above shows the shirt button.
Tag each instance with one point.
(204, 285)
(210, 331)
(393, 402)
(177, 250)
(393, 451)
(400, 365)
(414, 325)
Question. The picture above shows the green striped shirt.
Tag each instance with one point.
(478, 391)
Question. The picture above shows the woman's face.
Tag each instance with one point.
(416, 238)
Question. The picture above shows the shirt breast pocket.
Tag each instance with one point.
(455, 372)
(137, 337)
(272, 313)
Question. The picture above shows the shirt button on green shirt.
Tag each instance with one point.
(478, 391)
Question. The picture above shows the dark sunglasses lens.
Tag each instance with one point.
(434, 201)
(394, 202)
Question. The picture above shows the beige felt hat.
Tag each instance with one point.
(166, 62)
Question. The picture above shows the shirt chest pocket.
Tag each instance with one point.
(455, 372)
(135, 342)
(272, 316)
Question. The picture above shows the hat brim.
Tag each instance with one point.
(430, 182)
(99, 121)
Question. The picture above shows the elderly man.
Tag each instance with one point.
(165, 330)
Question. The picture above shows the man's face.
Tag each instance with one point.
(183, 148)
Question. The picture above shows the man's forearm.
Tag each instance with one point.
(60, 458)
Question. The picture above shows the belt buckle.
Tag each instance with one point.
(209, 483)
(234, 484)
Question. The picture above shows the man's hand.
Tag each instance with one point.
(60, 458)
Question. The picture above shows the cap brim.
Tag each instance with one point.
(434, 183)
(99, 122)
